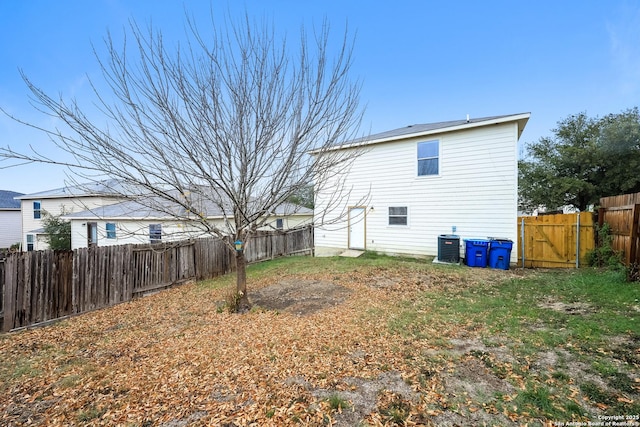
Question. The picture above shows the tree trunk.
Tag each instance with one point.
(241, 283)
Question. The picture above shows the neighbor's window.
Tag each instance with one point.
(155, 233)
(398, 215)
(111, 230)
(30, 241)
(37, 210)
(279, 223)
(428, 157)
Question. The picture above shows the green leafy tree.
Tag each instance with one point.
(303, 197)
(57, 231)
(586, 158)
(619, 147)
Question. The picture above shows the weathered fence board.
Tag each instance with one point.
(1, 292)
(552, 241)
(46, 285)
(622, 213)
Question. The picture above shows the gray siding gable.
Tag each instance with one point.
(7, 201)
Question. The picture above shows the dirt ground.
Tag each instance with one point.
(470, 378)
(299, 296)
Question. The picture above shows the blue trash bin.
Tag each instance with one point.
(476, 252)
(500, 253)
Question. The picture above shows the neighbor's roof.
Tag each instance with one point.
(8, 201)
(426, 129)
(109, 187)
(158, 210)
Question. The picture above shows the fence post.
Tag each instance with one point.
(633, 238)
(522, 240)
(10, 284)
(578, 241)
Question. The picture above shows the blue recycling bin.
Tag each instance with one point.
(500, 253)
(476, 252)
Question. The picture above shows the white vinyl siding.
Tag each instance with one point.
(131, 231)
(10, 224)
(54, 206)
(476, 191)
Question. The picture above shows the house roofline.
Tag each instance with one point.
(521, 118)
(38, 196)
(162, 218)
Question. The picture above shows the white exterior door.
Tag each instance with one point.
(357, 228)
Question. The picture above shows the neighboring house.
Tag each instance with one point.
(58, 201)
(10, 219)
(422, 181)
(134, 222)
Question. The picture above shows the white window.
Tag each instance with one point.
(398, 215)
(111, 230)
(30, 242)
(155, 233)
(37, 210)
(428, 158)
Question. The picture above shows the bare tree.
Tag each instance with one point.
(223, 122)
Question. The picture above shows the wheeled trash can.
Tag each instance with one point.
(500, 253)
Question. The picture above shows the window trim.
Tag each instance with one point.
(31, 242)
(110, 234)
(155, 236)
(37, 212)
(405, 216)
(418, 158)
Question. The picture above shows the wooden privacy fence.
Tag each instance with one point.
(622, 213)
(45, 285)
(555, 241)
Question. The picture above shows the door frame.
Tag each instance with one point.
(364, 227)
(92, 227)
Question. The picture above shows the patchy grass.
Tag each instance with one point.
(410, 342)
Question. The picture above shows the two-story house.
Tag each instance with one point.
(61, 201)
(413, 184)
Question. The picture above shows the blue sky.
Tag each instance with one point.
(419, 61)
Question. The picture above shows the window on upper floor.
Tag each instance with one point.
(398, 215)
(111, 230)
(428, 158)
(37, 210)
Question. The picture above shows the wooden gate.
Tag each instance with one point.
(552, 241)
(622, 213)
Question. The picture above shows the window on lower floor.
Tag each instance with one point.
(111, 230)
(398, 215)
(155, 233)
(279, 223)
(30, 242)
